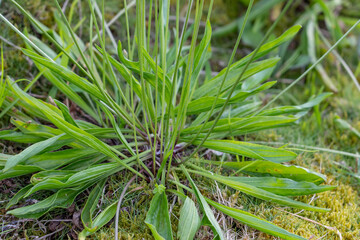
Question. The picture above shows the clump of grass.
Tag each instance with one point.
(148, 113)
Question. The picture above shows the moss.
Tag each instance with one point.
(343, 216)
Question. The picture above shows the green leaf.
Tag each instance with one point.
(66, 113)
(73, 131)
(53, 160)
(103, 218)
(237, 126)
(204, 104)
(210, 88)
(157, 218)
(89, 175)
(66, 74)
(18, 196)
(283, 186)
(61, 199)
(266, 168)
(30, 151)
(255, 222)
(295, 109)
(18, 170)
(249, 150)
(259, 193)
(189, 221)
(345, 125)
(90, 206)
(64, 88)
(11, 135)
(204, 207)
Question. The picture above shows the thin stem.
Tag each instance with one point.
(267, 35)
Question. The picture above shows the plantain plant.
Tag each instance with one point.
(150, 111)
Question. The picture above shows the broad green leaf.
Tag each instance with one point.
(89, 175)
(283, 186)
(204, 104)
(259, 193)
(31, 151)
(103, 218)
(255, 222)
(209, 215)
(18, 196)
(210, 88)
(295, 109)
(189, 221)
(3, 159)
(77, 133)
(90, 206)
(61, 199)
(18, 170)
(266, 168)
(237, 126)
(61, 175)
(249, 150)
(53, 160)
(157, 218)
(36, 129)
(14, 136)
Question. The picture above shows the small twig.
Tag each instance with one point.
(114, 19)
(118, 207)
(10, 43)
(311, 200)
(50, 234)
(64, 6)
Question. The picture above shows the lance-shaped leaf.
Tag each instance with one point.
(283, 186)
(189, 221)
(18, 196)
(90, 206)
(236, 126)
(14, 136)
(53, 160)
(295, 109)
(204, 104)
(210, 88)
(19, 170)
(31, 151)
(89, 175)
(157, 218)
(204, 207)
(266, 168)
(255, 222)
(260, 193)
(103, 218)
(249, 150)
(73, 131)
(65, 73)
(61, 199)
